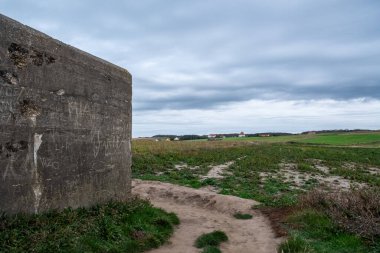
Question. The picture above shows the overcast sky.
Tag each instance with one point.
(219, 66)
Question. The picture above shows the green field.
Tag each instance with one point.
(157, 161)
(372, 138)
(278, 172)
(344, 139)
(270, 139)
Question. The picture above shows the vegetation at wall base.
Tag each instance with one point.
(134, 226)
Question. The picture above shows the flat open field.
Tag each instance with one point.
(277, 172)
(363, 138)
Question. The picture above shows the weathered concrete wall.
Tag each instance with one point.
(65, 124)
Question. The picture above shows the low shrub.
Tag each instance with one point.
(356, 211)
(314, 231)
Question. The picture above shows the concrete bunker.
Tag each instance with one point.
(65, 120)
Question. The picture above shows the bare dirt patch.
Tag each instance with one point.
(217, 171)
(288, 173)
(277, 217)
(185, 166)
(318, 164)
(202, 211)
(374, 171)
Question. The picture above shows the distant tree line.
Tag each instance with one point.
(228, 135)
(198, 137)
(268, 133)
(181, 137)
(337, 131)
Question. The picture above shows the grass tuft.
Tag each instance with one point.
(211, 239)
(243, 216)
(295, 244)
(211, 249)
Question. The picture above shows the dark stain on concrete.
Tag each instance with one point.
(18, 54)
(49, 59)
(28, 108)
(8, 77)
(15, 147)
(37, 58)
(22, 56)
(9, 148)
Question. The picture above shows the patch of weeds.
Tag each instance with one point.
(273, 192)
(243, 216)
(358, 175)
(317, 224)
(310, 184)
(295, 244)
(356, 211)
(304, 167)
(174, 178)
(210, 181)
(135, 226)
(211, 239)
(279, 193)
(211, 249)
(316, 232)
(274, 186)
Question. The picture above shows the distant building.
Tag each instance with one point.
(176, 139)
(264, 135)
(211, 136)
(242, 134)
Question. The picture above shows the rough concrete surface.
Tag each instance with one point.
(65, 119)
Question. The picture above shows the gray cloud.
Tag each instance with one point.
(204, 54)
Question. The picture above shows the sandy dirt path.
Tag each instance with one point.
(202, 211)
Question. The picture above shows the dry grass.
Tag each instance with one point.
(355, 211)
(180, 146)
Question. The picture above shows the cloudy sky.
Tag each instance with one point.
(219, 66)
